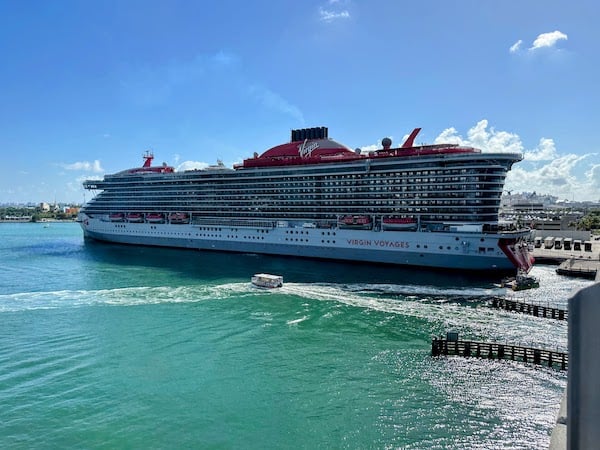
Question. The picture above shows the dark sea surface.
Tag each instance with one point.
(108, 346)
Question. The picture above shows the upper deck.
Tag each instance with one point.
(313, 146)
(319, 179)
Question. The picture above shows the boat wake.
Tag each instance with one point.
(130, 296)
(442, 309)
(422, 290)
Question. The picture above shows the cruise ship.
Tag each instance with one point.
(418, 205)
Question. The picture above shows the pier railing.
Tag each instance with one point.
(241, 223)
(538, 310)
(494, 350)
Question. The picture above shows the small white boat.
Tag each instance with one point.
(267, 280)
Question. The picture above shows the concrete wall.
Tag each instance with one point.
(583, 386)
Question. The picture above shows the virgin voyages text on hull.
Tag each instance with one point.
(430, 205)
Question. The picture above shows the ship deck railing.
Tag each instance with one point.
(238, 223)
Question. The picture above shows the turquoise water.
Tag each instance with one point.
(106, 346)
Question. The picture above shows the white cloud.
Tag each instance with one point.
(543, 169)
(548, 39)
(480, 137)
(191, 165)
(73, 187)
(151, 86)
(77, 185)
(594, 173)
(329, 16)
(275, 102)
(85, 166)
(333, 10)
(516, 46)
(449, 136)
(79, 180)
(370, 148)
(223, 58)
(558, 177)
(594, 176)
(546, 151)
(154, 85)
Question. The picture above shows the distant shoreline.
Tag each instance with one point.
(39, 221)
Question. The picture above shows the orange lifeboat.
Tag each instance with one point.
(399, 223)
(135, 217)
(179, 218)
(359, 222)
(155, 218)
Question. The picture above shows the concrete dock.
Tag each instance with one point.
(556, 256)
(579, 268)
(581, 263)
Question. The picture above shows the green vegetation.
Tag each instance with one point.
(590, 222)
(36, 213)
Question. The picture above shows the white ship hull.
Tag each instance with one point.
(314, 197)
(454, 250)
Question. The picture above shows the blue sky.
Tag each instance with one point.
(86, 87)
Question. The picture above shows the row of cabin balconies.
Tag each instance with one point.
(350, 190)
(313, 182)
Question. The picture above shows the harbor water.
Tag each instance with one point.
(109, 346)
